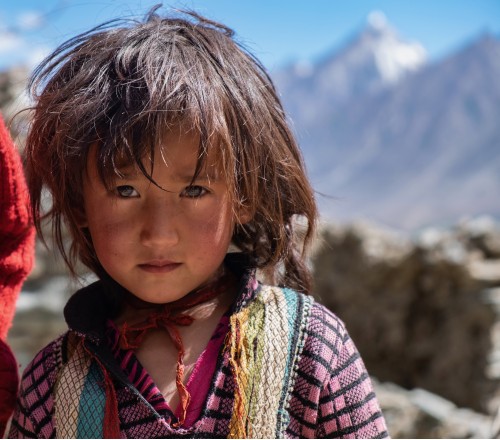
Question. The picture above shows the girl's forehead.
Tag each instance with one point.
(179, 152)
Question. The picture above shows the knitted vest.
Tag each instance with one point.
(263, 346)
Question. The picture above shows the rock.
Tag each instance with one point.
(483, 234)
(485, 271)
(418, 413)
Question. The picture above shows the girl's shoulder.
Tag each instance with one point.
(40, 374)
(328, 373)
(325, 322)
(33, 414)
(322, 341)
(325, 344)
(316, 318)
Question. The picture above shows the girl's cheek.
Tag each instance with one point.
(110, 227)
(215, 227)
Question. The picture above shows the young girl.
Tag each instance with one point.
(169, 160)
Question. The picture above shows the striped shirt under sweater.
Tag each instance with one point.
(332, 394)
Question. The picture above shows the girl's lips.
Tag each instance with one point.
(159, 266)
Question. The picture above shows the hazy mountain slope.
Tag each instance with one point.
(419, 150)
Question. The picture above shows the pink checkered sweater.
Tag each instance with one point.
(328, 392)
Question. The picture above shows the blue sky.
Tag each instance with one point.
(276, 31)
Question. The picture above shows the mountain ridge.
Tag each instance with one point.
(422, 150)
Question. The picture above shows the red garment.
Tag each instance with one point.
(9, 382)
(16, 232)
(16, 260)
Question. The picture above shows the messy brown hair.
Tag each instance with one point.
(123, 84)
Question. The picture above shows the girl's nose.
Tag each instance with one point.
(159, 225)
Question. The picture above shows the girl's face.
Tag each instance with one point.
(160, 244)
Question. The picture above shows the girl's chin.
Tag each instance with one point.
(150, 300)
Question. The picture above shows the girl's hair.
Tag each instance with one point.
(122, 85)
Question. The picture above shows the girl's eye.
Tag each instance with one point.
(194, 192)
(126, 191)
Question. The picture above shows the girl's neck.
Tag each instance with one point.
(135, 310)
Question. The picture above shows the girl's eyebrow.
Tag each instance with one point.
(207, 173)
(132, 172)
(128, 172)
(203, 176)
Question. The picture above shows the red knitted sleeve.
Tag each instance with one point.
(16, 259)
(16, 231)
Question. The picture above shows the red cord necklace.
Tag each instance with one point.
(169, 317)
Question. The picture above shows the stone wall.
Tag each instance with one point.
(423, 312)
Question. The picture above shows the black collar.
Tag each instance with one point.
(88, 310)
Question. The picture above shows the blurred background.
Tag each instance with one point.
(396, 106)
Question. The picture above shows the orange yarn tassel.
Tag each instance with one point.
(238, 361)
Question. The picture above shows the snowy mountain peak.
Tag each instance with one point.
(393, 56)
(374, 59)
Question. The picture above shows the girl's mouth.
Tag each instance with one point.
(159, 266)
